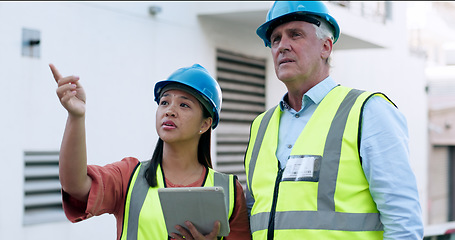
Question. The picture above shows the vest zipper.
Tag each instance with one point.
(271, 227)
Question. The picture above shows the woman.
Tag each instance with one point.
(188, 108)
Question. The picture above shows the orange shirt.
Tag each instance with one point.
(109, 190)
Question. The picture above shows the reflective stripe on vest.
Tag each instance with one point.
(140, 189)
(326, 217)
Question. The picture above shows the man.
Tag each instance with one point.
(328, 162)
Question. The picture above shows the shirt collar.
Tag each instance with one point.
(315, 94)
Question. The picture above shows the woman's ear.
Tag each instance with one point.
(206, 124)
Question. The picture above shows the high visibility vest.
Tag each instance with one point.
(143, 217)
(336, 202)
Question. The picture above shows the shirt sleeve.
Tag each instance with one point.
(385, 161)
(239, 223)
(107, 192)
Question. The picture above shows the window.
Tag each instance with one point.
(242, 81)
(42, 197)
(31, 43)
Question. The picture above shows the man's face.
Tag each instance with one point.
(296, 51)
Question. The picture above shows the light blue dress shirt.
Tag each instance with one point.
(385, 159)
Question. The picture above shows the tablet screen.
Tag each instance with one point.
(200, 205)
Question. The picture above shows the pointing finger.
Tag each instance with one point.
(55, 72)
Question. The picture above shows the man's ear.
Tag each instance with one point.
(326, 49)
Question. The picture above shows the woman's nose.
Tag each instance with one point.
(170, 111)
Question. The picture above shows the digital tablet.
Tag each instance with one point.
(200, 205)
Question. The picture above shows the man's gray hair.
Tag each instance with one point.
(324, 30)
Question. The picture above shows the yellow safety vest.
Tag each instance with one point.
(143, 218)
(336, 202)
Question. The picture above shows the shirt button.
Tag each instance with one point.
(297, 116)
(289, 146)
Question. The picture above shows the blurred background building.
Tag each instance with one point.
(121, 49)
(431, 27)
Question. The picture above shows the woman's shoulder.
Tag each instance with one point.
(130, 159)
(129, 162)
(124, 166)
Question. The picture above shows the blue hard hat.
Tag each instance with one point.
(197, 78)
(285, 11)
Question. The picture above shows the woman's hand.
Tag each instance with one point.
(194, 234)
(70, 93)
(73, 153)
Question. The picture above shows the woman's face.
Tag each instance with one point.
(179, 117)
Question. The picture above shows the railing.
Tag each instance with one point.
(376, 11)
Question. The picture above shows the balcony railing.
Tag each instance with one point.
(376, 11)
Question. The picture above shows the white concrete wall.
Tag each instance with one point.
(120, 51)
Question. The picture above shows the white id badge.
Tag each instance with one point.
(302, 168)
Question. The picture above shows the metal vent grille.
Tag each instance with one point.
(42, 196)
(242, 81)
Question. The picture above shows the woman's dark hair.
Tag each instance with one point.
(203, 153)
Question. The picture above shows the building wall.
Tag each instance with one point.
(119, 50)
(438, 194)
(432, 34)
(442, 126)
(441, 136)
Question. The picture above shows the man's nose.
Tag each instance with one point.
(284, 44)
